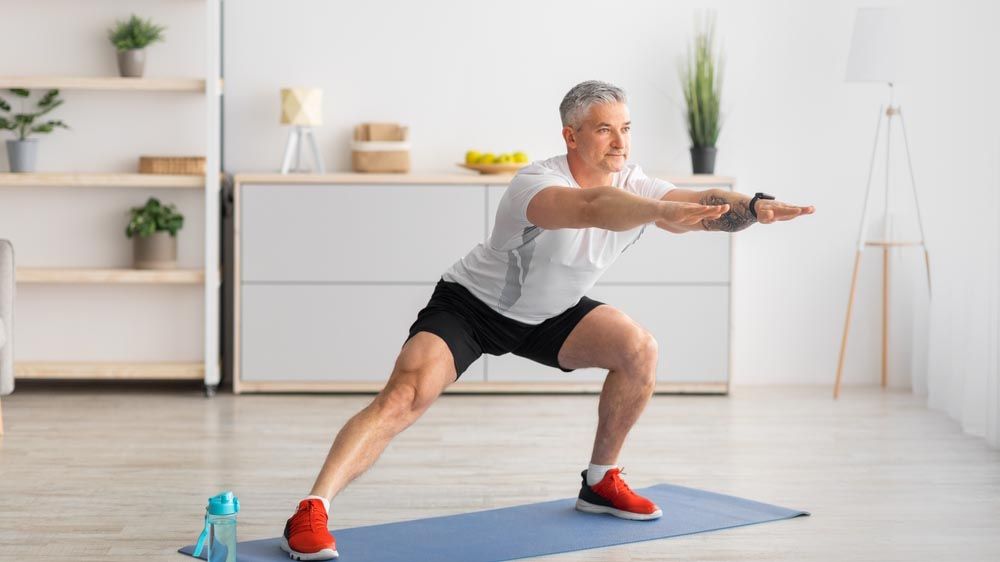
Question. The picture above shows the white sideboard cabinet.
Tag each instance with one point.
(329, 271)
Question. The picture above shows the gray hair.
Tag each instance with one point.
(585, 94)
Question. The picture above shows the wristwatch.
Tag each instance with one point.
(757, 196)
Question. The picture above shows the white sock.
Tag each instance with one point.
(326, 502)
(595, 473)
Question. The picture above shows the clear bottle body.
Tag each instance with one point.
(221, 538)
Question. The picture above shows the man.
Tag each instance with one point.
(560, 224)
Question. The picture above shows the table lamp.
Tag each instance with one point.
(303, 108)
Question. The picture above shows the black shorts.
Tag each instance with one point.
(471, 328)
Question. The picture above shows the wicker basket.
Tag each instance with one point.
(380, 148)
(185, 165)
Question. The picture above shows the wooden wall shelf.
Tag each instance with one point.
(104, 83)
(62, 275)
(48, 179)
(101, 370)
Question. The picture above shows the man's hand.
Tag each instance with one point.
(678, 217)
(773, 211)
(740, 217)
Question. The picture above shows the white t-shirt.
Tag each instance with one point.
(530, 274)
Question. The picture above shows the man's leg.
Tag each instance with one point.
(423, 370)
(609, 339)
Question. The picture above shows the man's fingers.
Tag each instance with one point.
(709, 212)
(774, 212)
(712, 210)
(790, 212)
(693, 213)
(787, 213)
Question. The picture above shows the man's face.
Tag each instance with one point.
(602, 138)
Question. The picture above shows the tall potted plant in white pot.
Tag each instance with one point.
(22, 152)
(130, 38)
(701, 78)
(154, 228)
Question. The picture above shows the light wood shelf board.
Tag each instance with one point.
(435, 179)
(109, 370)
(80, 179)
(109, 276)
(103, 83)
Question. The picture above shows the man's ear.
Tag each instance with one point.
(569, 135)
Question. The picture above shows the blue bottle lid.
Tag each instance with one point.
(223, 504)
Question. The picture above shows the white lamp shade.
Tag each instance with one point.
(875, 46)
(302, 106)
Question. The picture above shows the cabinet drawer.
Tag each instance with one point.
(342, 333)
(690, 323)
(356, 233)
(660, 256)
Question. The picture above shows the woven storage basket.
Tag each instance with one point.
(380, 147)
(185, 165)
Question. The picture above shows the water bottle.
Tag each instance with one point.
(219, 534)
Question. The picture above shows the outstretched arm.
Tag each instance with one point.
(613, 208)
(739, 216)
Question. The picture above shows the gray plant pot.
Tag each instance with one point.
(131, 63)
(703, 159)
(21, 154)
(157, 251)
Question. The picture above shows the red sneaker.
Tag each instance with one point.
(306, 536)
(612, 495)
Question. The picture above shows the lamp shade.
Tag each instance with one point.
(301, 106)
(875, 46)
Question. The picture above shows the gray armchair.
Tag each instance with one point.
(6, 321)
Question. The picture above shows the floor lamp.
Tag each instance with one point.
(873, 58)
(303, 108)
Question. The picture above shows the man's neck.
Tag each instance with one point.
(586, 176)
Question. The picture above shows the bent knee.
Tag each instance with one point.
(421, 373)
(640, 355)
(405, 400)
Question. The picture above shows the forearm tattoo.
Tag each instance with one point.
(737, 218)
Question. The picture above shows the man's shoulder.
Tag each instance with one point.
(547, 172)
(555, 166)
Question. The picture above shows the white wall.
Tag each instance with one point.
(958, 94)
(486, 76)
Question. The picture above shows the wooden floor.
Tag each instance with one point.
(111, 473)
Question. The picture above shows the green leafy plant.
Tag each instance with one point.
(135, 33)
(24, 123)
(701, 78)
(154, 217)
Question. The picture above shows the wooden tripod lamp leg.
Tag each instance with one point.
(927, 262)
(885, 316)
(847, 325)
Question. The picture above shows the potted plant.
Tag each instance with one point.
(702, 81)
(130, 38)
(154, 228)
(22, 151)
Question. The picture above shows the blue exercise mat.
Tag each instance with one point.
(530, 530)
